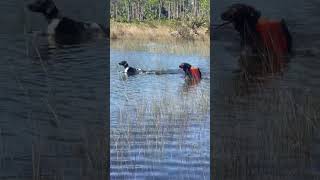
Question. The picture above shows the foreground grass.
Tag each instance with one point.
(275, 136)
(166, 110)
(157, 30)
(155, 125)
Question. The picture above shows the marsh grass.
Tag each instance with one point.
(299, 120)
(155, 31)
(91, 151)
(265, 61)
(37, 160)
(275, 129)
(281, 140)
(179, 47)
(152, 124)
(145, 131)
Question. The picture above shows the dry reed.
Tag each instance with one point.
(158, 32)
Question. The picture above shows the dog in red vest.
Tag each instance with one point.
(265, 43)
(191, 73)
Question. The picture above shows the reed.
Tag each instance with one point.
(148, 126)
(156, 31)
(280, 135)
(179, 47)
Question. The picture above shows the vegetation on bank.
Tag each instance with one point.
(142, 10)
(160, 19)
(158, 30)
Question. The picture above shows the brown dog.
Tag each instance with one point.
(191, 72)
(264, 43)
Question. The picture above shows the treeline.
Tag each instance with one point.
(142, 10)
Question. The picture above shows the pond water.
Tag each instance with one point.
(53, 108)
(268, 129)
(159, 124)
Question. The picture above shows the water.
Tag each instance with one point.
(159, 124)
(268, 129)
(52, 112)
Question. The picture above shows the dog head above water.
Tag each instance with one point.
(264, 43)
(124, 64)
(185, 66)
(46, 7)
(191, 73)
(241, 16)
(66, 30)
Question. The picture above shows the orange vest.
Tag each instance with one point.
(195, 72)
(273, 37)
(274, 40)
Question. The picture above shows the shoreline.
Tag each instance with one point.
(154, 30)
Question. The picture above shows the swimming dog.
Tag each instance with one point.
(264, 43)
(191, 72)
(130, 70)
(65, 29)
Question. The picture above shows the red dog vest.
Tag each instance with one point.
(273, 38)
(195, 72)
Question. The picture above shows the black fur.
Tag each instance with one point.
(186, 68)
(131, 70)
(67, 30)
(244, 19)
(288, 35)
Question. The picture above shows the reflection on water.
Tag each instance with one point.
(267, 128)
(159, 123)
(53, 108)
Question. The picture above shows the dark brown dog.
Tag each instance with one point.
(191, 73)
(264, 43)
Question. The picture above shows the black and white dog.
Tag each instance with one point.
(63, 28)
(130, 70)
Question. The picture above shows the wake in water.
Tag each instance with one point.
(129, 71)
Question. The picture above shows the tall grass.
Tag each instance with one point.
(201, 48)
(150, 123)
(263, 58)
(272, 132)
(275, 137)
(156, 31)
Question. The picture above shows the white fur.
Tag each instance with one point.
(126, 69)
(52, 26)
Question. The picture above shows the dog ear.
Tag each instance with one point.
(51, 7)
